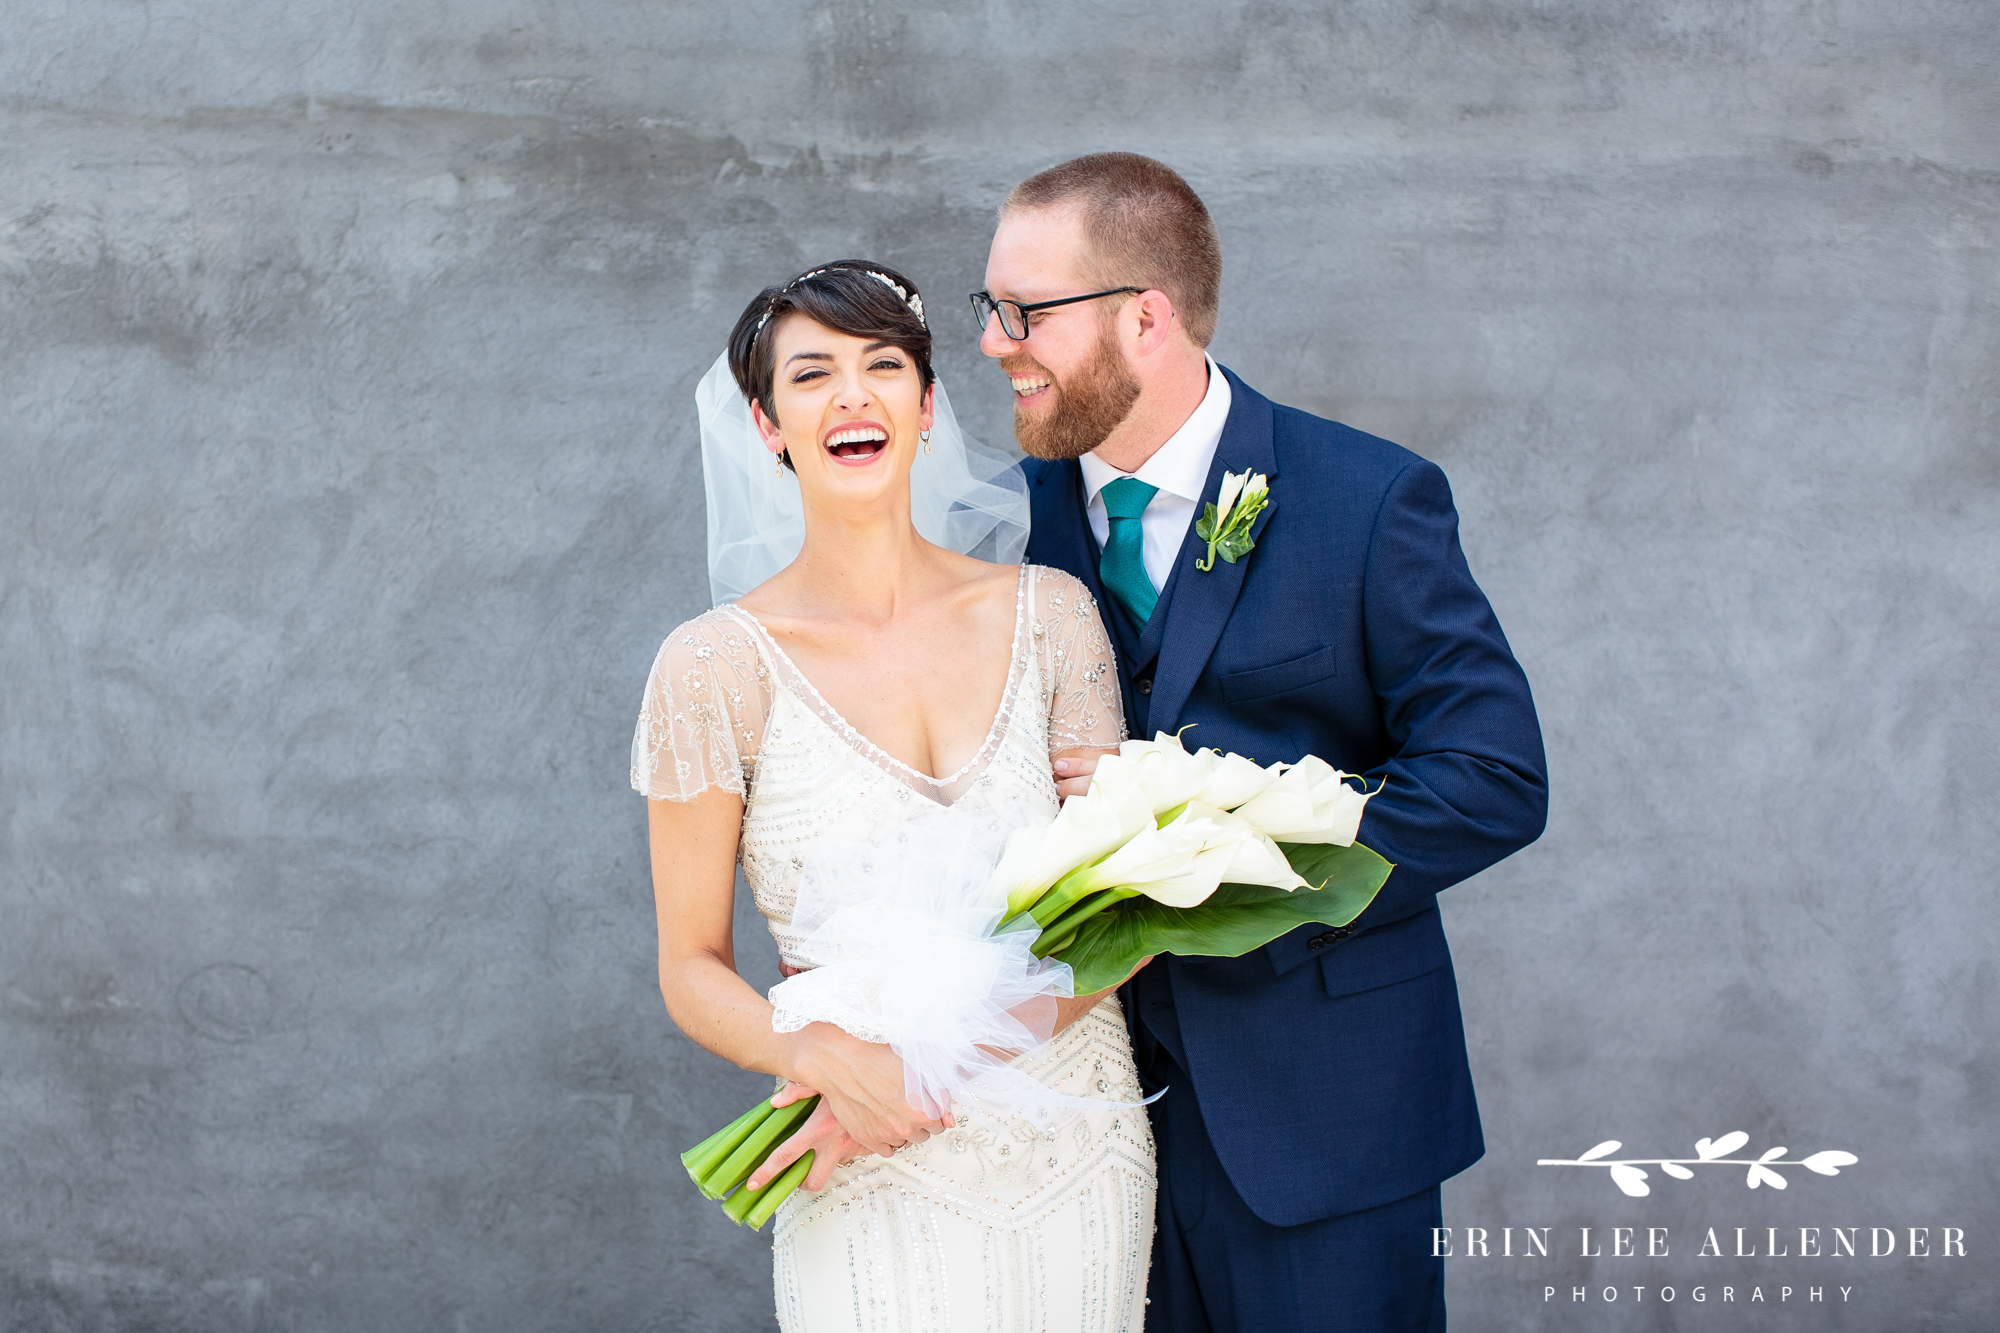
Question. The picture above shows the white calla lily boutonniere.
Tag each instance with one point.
(1225, 525)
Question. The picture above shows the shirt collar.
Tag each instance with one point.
(1180, 466)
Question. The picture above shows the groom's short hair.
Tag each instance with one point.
(1144, 227)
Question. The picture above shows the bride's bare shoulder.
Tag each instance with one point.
(769, 597)
(973, 579)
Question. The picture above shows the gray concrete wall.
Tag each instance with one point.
(348, 483)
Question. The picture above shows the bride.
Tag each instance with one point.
(879, 679)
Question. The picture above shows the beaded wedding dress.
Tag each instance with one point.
(995, 1224)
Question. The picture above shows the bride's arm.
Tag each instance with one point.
(1068, 1011)
(1086, 712)
(1073, 768)
(694, 874)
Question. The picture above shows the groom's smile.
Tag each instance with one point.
(1027, 386)
(1069, 415)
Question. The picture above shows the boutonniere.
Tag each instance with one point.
(1225, 525)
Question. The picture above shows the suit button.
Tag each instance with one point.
(1329, 938)
(1143, 685)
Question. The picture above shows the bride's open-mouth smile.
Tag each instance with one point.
(857, 443)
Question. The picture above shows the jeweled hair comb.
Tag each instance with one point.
(910, 299)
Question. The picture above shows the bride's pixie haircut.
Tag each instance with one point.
(852, 296)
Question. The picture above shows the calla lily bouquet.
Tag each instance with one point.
(1170, 851)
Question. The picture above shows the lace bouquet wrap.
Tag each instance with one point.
(951, 945)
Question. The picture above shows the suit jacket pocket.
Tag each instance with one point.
(1282, 678)
(1386, 955)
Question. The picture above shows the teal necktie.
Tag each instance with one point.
(1123, 567)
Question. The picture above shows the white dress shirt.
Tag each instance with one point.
(1179, 468)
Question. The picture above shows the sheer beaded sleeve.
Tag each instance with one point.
(703, 716)
(1079, 671)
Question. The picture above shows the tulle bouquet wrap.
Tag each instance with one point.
(952, 947)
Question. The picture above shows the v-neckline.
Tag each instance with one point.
(826, 712)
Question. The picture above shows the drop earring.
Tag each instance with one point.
(924, 437)
(778, 461)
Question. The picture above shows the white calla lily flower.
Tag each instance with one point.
(1174, 776)
(1156, 854)
(1087, 827)
(1236, 780)
(1179, 865)
(1310, 802)
(1168, 774)
(1206, 871)
(1254, 857)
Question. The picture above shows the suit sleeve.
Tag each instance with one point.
(1468, 781)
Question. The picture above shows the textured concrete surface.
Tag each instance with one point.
(348, 483)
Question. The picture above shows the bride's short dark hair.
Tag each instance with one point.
(852, 296)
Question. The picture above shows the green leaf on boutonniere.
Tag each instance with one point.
(1209, 530)
(1235, 546)
(1204, 527)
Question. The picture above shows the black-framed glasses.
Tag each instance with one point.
(1014, 315)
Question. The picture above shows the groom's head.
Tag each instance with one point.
(1114, 223)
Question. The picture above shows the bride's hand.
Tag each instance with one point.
(1073, 768)
(821, 1135)
(862, 1083)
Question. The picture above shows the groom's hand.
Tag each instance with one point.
(1073, 769)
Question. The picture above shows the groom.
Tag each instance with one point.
(1317, 1089)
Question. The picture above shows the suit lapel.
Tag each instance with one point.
(1061, 528)
(1202, 601)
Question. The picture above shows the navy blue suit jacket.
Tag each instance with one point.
(1331, 1073)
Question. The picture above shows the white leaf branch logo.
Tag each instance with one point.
(1627, 1176)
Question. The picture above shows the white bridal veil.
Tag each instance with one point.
(962, 496)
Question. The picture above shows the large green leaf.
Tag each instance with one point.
(1236, 918)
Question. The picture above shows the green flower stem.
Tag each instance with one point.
(708, 1169)
(739, 1204)
(731, 1133)
(750, 1154)
(1063, 929)
(777, 1192)
(1071, 889)
(746, 1200)
(705, 1156)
